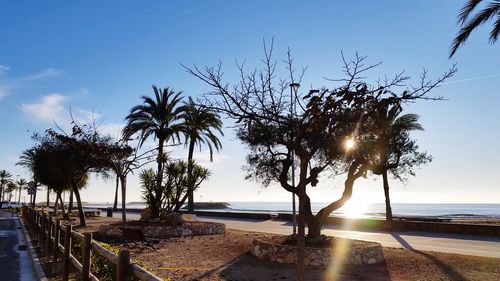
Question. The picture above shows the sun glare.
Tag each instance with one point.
(354, 208)
(349, 144)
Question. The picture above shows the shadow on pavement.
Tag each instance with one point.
(452, 274)
(247, 267)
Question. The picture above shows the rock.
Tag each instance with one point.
(280, 260)
(372, 261)
(172, 219)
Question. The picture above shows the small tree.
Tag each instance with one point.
(274, 131)
(176, 183)
(393, 150)
(4, 179)
(158, 117)
(200, 126)
(21, 184)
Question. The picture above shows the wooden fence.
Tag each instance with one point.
(49, 232)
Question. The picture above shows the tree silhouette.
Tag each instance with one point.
(158, 117)
(259, 103)
(27, 160)
(468, 22)
(200, 126)
(4, 180)
(393, 150)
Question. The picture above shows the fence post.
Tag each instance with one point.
(67, 251)
(55, 246)
(86, 256)
(40, 230)
(123, 265)
(49, 235)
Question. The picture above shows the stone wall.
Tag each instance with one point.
(359, 252)
(164, 231)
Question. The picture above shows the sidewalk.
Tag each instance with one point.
(414, 240)
(15, 263)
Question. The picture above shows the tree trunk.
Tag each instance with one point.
(56, 203)
(70, 206)
(115, 204)
(155, 212)
(81, 214)
(48, 197)
(301, 230)
(388, 209)
(19, 197)
(34, 194)
(123, 180)
(62, 204)
(314, 230)
(190, 181)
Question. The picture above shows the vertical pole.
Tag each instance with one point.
(49, 235)
(123, 265)
(67, 251)
(87, 244)
(40, 229)
(55, 246)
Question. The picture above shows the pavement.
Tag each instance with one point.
(474, 245)
(15, 263)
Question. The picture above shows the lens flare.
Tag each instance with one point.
(349, 144)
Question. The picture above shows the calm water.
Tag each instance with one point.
(462, 211)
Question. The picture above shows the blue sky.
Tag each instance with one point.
(99, 57)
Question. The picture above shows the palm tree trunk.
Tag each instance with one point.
(123, 180)
(155, 212)
(115, 204)
(190, 181)
(81, 214)
(19, 197)
(34, 194)
(388, 209)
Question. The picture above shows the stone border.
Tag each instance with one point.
(164, 231)
(361, 252)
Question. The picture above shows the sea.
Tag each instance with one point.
(376, 210)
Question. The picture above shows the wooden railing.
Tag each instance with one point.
(49, 231)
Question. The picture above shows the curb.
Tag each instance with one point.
(35, 262)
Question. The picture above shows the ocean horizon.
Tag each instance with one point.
(374, 210)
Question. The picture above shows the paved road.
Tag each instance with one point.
(14, 263)
(426, 241)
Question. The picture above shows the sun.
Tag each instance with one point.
(349, 144)
(354, 208)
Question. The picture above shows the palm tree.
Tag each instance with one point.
(158, 117)
(4, 179)
(200, 127)
(27, 160)
(469, 23)
(21, 183)
(391, 139)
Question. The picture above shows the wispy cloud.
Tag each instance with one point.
(49, 108)
(47, 73)
(472, 79)
(3, 69)
(4, 90)
(7, 84)
(112, 129)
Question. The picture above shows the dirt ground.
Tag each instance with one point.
(226, 257)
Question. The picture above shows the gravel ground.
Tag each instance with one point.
(225, 257)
